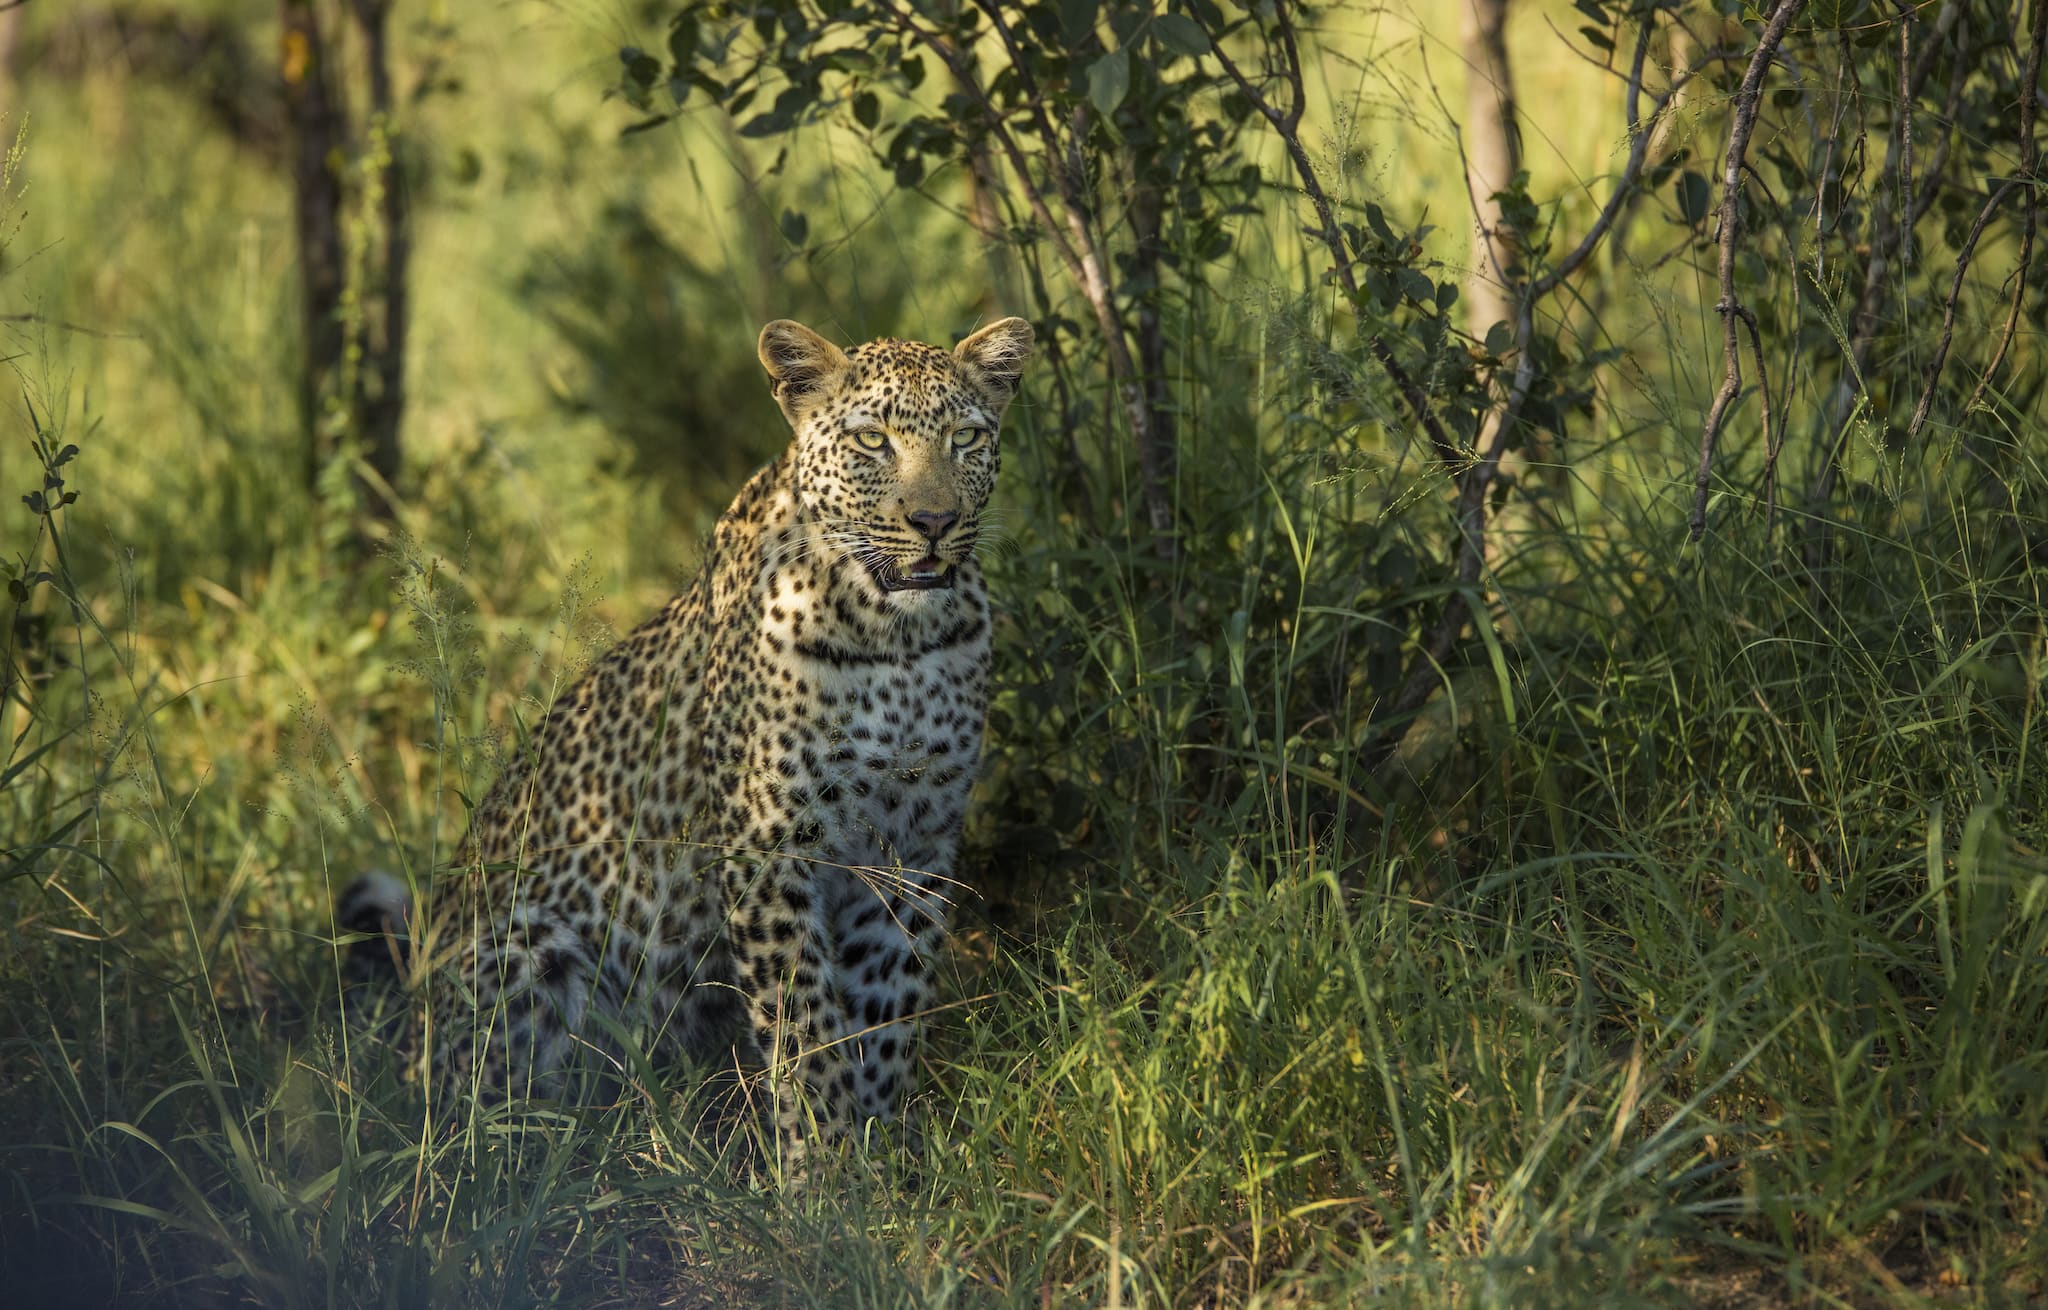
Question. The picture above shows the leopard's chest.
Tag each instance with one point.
(872, 760)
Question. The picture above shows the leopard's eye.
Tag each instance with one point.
(968, 438)
(872, 439)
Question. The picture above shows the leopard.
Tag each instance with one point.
(742, 824)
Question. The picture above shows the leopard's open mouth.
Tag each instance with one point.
(928, 574)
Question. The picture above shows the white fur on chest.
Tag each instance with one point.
(891, 742)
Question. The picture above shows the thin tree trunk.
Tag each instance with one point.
(1492, 139)
(1493, 155)
(316, 212)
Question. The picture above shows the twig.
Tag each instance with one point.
(1476, 481)
(1422, 679)
(1774, 438)
(1948, 313)
(963, 72)
(1638, 151)
(1730, 307)
(1149, 433)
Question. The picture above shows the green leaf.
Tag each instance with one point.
(913, 71)
(867, 110)
(1077, 18)
(641, 67)
(682, 39)
(795, 227)
(1109, 81)
(1181, 34)
(1693, 195)
(1397, 567)
(1376, 219)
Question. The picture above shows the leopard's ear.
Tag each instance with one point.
(801, 365)
(994, 357)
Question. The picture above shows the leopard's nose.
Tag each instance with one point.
(932, 523)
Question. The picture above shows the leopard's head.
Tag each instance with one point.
(896, 450)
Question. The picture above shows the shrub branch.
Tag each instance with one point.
(1730, 307)
(1287, 122)
(1948, 311)
(1077, 243)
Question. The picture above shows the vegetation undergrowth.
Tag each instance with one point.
(1693, 949)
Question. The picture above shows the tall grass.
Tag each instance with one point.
(1700, 956)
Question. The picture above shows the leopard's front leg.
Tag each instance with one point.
(780, 939)
(887, 934)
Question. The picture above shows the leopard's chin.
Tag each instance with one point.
(928, 574)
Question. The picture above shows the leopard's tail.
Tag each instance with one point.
(376, 908)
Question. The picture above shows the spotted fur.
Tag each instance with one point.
(750, 808)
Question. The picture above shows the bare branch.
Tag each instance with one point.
(963, 72)
(1948, 313)
(1503, 421)
(1774, 439)
(1730, 307)
(1638, 150)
